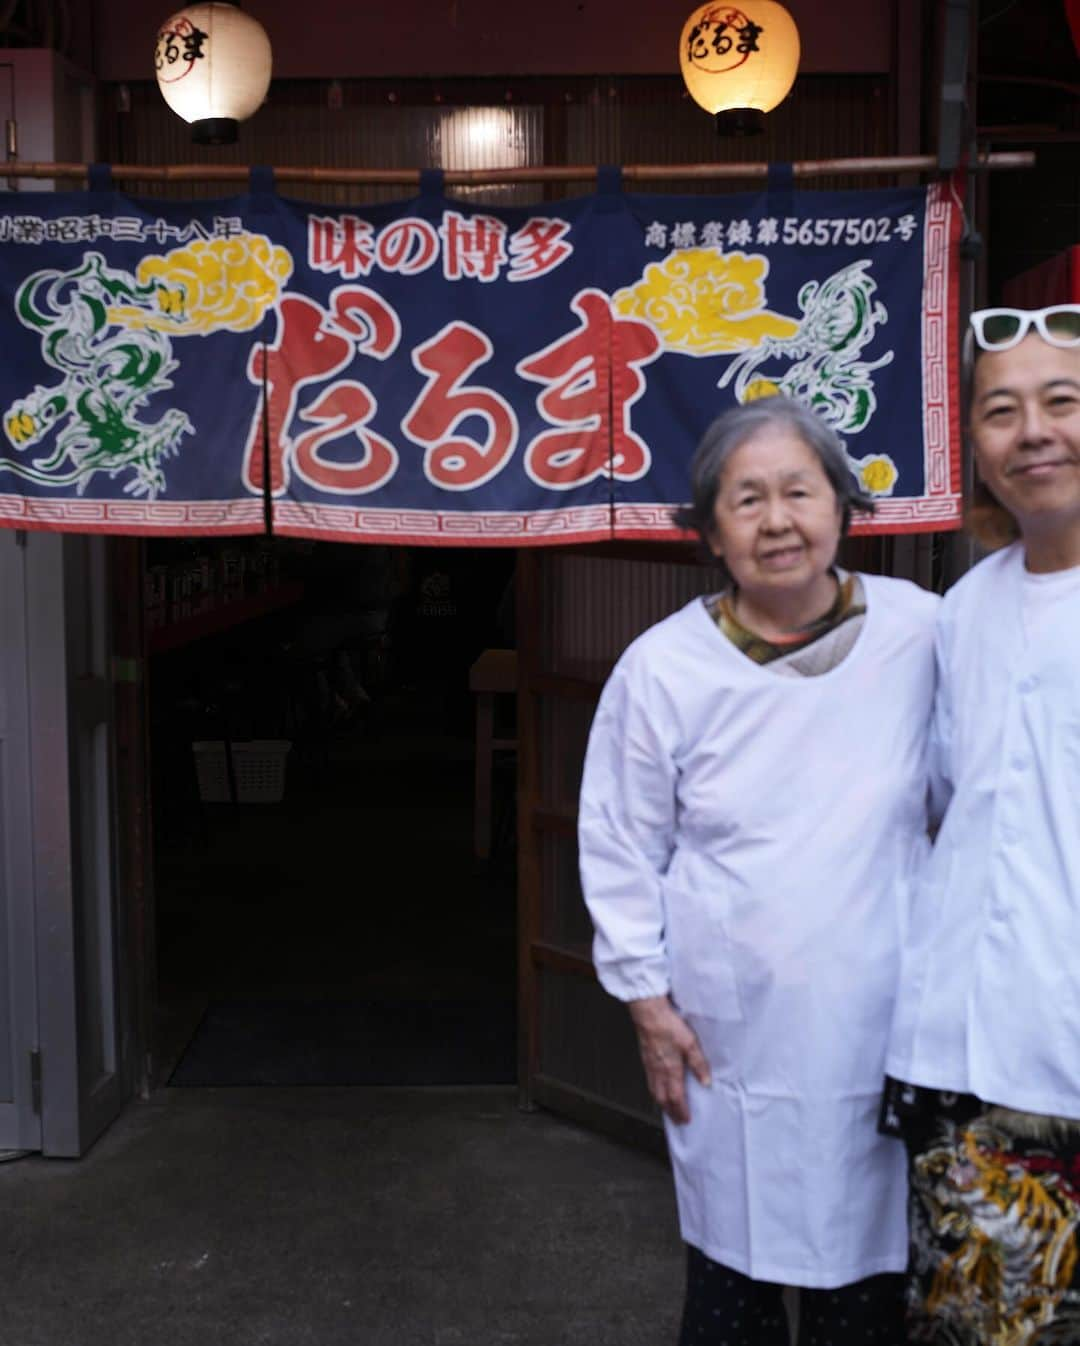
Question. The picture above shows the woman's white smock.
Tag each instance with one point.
(745, 843)
(990, 998)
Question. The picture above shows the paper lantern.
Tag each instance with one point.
(213, 68)
(739, 62)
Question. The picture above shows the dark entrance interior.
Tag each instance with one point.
(321, 914)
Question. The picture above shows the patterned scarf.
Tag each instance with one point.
(808, 652)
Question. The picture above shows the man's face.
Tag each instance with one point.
(1025, 422)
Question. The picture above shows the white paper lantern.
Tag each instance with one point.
(213, 68)
(739, 61)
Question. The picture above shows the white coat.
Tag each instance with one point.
(990, 997)
(745, 842)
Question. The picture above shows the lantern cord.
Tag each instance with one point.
(470, 177)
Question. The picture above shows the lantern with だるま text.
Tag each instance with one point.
(213, 68)
(739, 61)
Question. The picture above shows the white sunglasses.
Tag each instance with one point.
(999, 329)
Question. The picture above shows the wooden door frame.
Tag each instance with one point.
(134, 877)
(73, 828)
(535, 821)
(21, 1114)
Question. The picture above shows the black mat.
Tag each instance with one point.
(333, 1042)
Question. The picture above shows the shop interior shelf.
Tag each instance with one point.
(221, 615)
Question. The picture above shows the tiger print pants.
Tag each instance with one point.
(994, 1217)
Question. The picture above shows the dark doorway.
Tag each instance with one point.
(321, 916)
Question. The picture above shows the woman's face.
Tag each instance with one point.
(1025, 423)
(776, 523)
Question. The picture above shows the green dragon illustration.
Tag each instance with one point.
(840, 317)
(109, 374)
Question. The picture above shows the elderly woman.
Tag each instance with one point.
(754, 798)
(985, 1049)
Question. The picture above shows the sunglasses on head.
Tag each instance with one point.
(999, 329)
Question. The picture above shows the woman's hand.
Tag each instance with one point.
(669, 1047)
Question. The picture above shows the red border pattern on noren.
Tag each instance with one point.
(939, 508)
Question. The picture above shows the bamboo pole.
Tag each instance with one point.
(410, 177)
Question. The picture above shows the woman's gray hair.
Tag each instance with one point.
(740, 423)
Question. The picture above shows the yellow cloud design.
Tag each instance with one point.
(210, 285)
(706, 302)
(758, 388)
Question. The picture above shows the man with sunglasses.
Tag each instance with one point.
(984, 1061)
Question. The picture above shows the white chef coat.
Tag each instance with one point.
(990, 995)
(745, 842)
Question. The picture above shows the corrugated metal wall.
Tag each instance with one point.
(651, 122)
(595, 605)
(475, 124)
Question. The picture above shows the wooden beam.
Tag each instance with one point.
(528, 599)
(560, 959)
(570, 688)
(471, 177)
(632, 1128)
(558, 824)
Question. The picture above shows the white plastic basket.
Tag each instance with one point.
(258, 768)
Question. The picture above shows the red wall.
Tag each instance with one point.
(416, 38)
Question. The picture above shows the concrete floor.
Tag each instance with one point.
(331, 1216)
(323, 1216)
